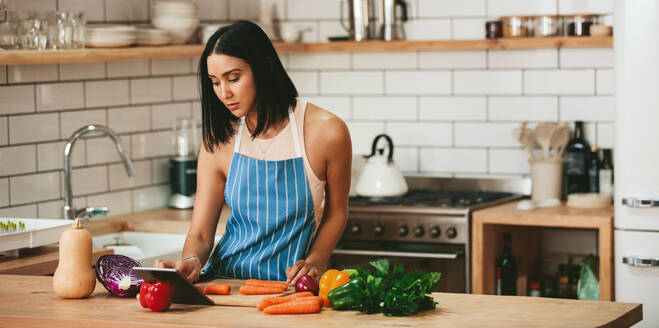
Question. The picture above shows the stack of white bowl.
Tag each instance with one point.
(178, 17)
(152, 37)
(110, 36)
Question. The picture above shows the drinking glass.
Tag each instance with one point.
(32, 30)
(60, 31)
(78, 29)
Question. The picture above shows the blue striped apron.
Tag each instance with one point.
(271, 225)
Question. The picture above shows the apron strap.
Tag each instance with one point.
(236, 146)
(296, 138)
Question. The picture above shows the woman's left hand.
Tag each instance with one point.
(301, 268)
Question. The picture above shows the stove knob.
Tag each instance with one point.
(378, 230)
(402, 231)
(451, 232)
(355, 229)
(418, 231)
(435, 232)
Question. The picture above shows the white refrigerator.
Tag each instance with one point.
(636, 170)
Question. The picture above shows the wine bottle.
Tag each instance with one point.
(506, 270)
(577, 158)
(606, 173)
(593, 171)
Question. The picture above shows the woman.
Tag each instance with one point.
(282, 166)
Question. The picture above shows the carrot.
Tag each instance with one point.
(266, 283)
(315, 298)
(218, 289)
(303, 305)
(260, 290)
(267, 301)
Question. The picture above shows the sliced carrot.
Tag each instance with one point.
(303, 305)
(260, 290)
(267, 301)
(265, 283)
(218, 289)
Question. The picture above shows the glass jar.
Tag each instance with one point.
(493, 29)
(60, 31)
(579, 25)
(546, 25)
(78, 30)
(515, 26)
(602, 26)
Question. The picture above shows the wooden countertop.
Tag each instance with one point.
(559, 216)
(28, 301)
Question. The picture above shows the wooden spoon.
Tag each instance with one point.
(542, 133)
(525, 137)
(559, 140)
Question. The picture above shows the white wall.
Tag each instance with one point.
(449, 113)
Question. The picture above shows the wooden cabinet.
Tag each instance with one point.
(489, 225)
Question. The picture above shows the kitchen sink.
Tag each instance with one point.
(144, 247)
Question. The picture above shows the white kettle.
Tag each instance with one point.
(380, 177)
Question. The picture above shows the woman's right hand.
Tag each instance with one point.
(189, 268)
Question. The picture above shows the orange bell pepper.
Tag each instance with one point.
(331, 279)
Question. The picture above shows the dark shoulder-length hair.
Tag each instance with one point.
(275, 91)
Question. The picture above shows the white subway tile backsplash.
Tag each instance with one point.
(468, 28)
(384, 108)
(384, 60)
(33, 188)
(151, 144)
(420, 134)
(103, 150)
(150, 198)
(605, 135)
(339, 106)
(509, 161)
(317, 61)
(357, 83)
(129, 119)
(309, 33)
(164, 116)
(417, 82)
(212, 9)
(4, 131)
(362, 135)
(18, 160)
(117, 202)
(32, 73)
(589, 109)
(196, 112)
(406, 159)
(3, 74)
(585, 6)
(580, 57)
(566, 82)
(605, 82)
(523, 108)
(428, 29)
(452, 108)
(81, 71)
(451, 59)
(186, 88)
(72, 121)
(160, 169)
(487, 82)
(25, 211)
(53, 209)
(150, 90)
(170, 66)
(56, 96)
(244, 9)
(16, 99)
(106, 93)
(485, 134)
(131, 68)
(93, 10)
(119, 179)
(33, 128)
(50, 156)
(89, 180)
(32, 5)
(313, 9)
(127, 10)
(306, 83)
(451, 8)
(453, 160)
(526, 58)
(4, 192)
(497, 8)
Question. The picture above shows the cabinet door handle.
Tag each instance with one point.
(640, 202)
(645, 262)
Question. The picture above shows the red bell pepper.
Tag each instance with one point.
(156, 295)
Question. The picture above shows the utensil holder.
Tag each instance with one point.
(546, 178)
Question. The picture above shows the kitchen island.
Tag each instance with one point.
(29, 301)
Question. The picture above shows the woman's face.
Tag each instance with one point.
(233, 83)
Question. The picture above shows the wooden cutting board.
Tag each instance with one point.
(236, 298)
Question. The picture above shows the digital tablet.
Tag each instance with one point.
(184, 291)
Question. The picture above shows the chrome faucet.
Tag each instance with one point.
(68, 211)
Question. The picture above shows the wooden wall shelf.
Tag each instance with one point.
(25, 57)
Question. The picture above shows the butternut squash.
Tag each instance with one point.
(74, 276)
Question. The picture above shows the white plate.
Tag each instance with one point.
(94, 44)
(37, 232)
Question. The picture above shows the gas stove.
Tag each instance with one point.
(435, 198)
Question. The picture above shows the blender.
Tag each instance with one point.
(183, 163)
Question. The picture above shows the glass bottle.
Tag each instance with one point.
(606, 173)
(593, 171)
(577, 158)
(506, 270)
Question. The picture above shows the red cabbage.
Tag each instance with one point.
(114, 272)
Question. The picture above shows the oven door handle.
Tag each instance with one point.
(445, 256)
